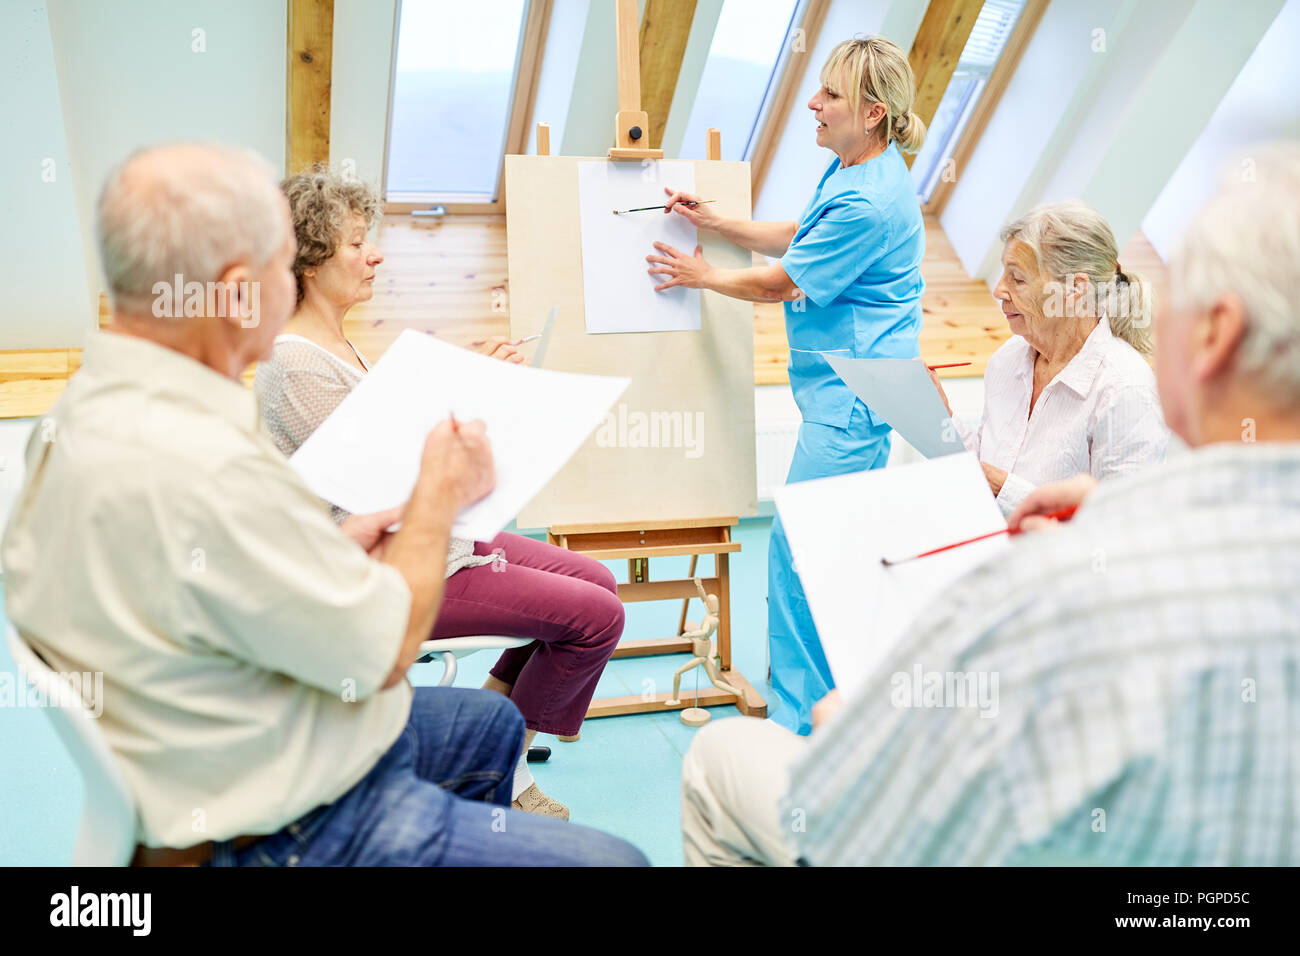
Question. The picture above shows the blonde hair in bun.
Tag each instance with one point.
(871, 69)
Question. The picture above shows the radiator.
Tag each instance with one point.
(774, 443)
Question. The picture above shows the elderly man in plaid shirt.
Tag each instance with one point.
(1148, 652)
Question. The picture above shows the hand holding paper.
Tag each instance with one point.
(839, 528)
(367, 454)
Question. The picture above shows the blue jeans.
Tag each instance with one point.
(440, 796)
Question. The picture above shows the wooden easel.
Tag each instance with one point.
(639, 542)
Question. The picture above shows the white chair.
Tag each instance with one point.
(106, 835)
(452, 648)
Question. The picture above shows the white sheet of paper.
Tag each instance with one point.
(618, 292)
(366, 456)
(840, 527)
(900, 392)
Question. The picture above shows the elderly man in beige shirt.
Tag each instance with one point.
(254, 654)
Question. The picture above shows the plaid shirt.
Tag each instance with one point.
(1131, 692)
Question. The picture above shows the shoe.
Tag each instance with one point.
(533, 800)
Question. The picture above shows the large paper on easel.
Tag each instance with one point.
(617, 290)
(366, 456)
(839, 528)
(900, 391)
(640, 466)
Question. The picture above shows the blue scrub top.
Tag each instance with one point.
(857, 258)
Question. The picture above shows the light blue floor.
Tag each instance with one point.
(623, 776)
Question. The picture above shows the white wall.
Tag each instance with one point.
(1035, 109)
(137, 72)
(47, 300)
(1107, 123)
(1260, 106)
(589, 121)
(555, 82)
(798, 162)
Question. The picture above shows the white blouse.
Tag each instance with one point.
(298, 388)
(1100, 415)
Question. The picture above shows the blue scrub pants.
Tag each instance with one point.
(800, 675)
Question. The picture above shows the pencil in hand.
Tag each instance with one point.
(1065, 514)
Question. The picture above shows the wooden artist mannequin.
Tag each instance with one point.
(701, 637)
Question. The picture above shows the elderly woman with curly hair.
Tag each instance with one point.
(567, 603)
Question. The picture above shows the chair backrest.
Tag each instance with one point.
(107, 833)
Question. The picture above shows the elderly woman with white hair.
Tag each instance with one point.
(1070, 391)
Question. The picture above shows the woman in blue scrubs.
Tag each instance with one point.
(850, 277)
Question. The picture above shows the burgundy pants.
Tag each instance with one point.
(566, 602)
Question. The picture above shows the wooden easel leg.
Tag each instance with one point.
(681, 622)
(724, 609)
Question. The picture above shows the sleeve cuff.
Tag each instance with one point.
(797, 275)
(1014, 490)
(969, 436)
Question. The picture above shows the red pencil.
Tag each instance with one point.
(1065, 514)
(933, 368)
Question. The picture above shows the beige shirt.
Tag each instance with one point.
(299, 387)
(162, 539)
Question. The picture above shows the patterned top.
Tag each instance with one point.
(1099, 415)
(1130, 686)
(298, 388)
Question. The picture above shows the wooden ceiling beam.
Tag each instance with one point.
(665, 28)
(1003, 70)
(938, 45)
(308, 77)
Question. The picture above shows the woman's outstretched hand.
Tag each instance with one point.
(684, 270)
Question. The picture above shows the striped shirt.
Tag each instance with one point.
(1132, 686)
(1100, 415)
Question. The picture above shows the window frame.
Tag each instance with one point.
(528, 63)
(986, 103)
(774, 116)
